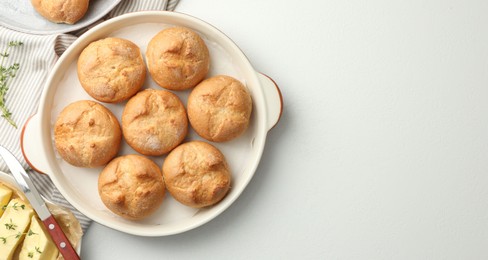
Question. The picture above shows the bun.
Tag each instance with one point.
(131, 186)
(219, 108)
(196, 174)
(86, 134)
(61, 11)
(154, 122)
(111, 70)
(177, 58)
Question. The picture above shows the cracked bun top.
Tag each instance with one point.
(111, 70)
(197, 174)
(154, 122)
(177, 58)
(61, 11)
(219, 108)
(86, 134)
(131, 186)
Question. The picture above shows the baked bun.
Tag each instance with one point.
(154, 122)
(61, 11)
(86, 134)
(111, 70)
(196, 174)
(219, 108)
(177, 58)
(131, 186)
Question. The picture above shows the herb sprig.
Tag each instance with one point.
(17, 235)
(31, 253)
(6, 73)
(16, 206)
(11, 225)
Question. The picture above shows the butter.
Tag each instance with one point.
(5, 195)
(13, 225)
(38, 244)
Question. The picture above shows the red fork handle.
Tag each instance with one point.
(60, 239)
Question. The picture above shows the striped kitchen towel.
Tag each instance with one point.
(36, 56)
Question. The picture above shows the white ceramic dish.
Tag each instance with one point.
(19, 15)
(6, 178)
(79, 185)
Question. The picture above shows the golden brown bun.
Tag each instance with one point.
(87, 134)
(154, 122)
(111, 70)
(219, 108)
(61, 11)
(131, 186)
(196, 174)
(177, 58)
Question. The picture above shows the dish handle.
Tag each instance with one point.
(274, 99)
(30, 144)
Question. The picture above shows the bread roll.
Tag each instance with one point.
(131, 186)
(86, 134)
(196, 174)
(61, 11)
(219, 108)
(154, 122)
(177, 58)
(111, 69)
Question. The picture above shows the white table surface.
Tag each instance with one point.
(382, 150)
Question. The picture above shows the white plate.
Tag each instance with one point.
(79, 185)
(19, 15)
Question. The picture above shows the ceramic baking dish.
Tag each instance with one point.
(79, 185)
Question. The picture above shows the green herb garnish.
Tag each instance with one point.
(10, 226)
(6, 73)
(30, 233)
(18, 235)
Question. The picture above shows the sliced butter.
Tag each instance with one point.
(38, 244)
(13, 226)
(5, 195)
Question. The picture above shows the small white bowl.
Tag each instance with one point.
(79, 185)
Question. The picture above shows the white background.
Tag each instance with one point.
(382, 150)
